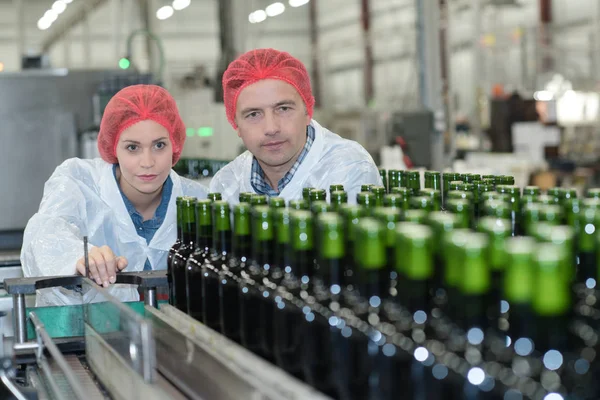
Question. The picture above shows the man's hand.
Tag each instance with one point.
(104, 265)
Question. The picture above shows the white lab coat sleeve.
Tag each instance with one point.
(353, 175)
(53, 238)
(226, 182)
(193, 188)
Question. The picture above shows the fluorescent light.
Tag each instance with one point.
(50, 15)
(275, 9)
(257, 16)
(164, 12)
(67, 1)
(543, 95)
(179, 5)
(59, 6)
(44, 23)
(298, 3)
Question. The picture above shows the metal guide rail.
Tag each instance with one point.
(131, 352)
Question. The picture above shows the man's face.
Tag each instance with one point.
(145, 157)
(272, 121)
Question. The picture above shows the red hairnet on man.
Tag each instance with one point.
(269, 101)
(124, 202)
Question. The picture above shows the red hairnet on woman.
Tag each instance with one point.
(124, 202)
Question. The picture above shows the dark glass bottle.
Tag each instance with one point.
(178, 269)
(352, 215)
(193, 274)
(256, 304)
(231, 273)
(213, 266)
(323, 301)
(390, 217)
(319, 207)
(497, 230)
(366, 200)
(336, 188)
(384, 178)
(174, 249)
(435, 196)
(288, 312)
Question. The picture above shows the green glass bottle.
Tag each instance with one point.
(475, 283)
(414, 182)
(177, 244)
(403, 178)
(258, 200)
(546, 199)
(288, 331)
(435, 196)
(193, 270)
(318, 195)
(384, 178)
(213, 266)
(230, 276)
(306, 193)
(338, 198)
(589, 223)
(352, 215)
(556, 193)
(433, 180)
(563, 236)
(593, 193)
(532, 191)
(256, 311)
(393, 201)
(390, 217)
(532, 215)
(299, 205)
(245, 197)
(393, 179)
(461, 195)
(551, 214)
(551, 300)
(497, 231)
(497, 209)
(518, 288)
(215, 197)
(336, 188)
(441, 223)
(415, 216)
(365, 188)
(379, 192)
(422, 203)
(414, 250)
(277, 202)
(366, 200)
(453, 246)
(179, 260)
(462, 208)
(456, 185)
(319, 207)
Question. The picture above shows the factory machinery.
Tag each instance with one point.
(107, 349)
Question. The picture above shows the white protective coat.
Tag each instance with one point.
(331, 160)
(82, 198)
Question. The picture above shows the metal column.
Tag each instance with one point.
(20, 318)
(314, 49)
(87, 42)
(430, 73)
(20, 18)
(369, 91)
(546, 36)
(476, 8)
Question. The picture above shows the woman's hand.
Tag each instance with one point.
(104, 265)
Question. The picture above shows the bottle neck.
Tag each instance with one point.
(204, 237)
(222, 241)
(241, 246)
(189, 233)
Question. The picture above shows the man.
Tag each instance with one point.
(268, 100)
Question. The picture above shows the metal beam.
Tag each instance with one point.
(69, 22)
(314, 48)
(368, 79)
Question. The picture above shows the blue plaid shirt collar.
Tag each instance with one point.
(257, 177)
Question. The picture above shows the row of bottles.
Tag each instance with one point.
(383, 301)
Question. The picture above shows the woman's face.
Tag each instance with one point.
(145, 157)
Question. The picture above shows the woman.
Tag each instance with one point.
(124, 202)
